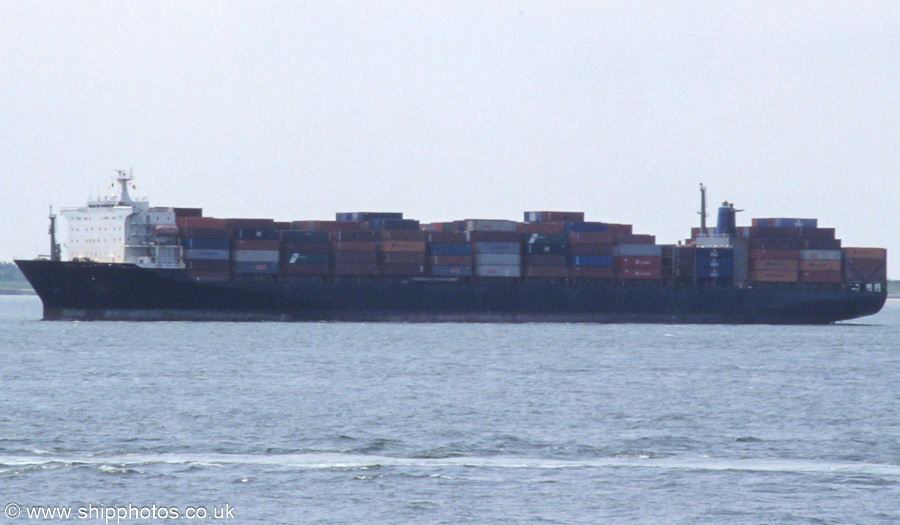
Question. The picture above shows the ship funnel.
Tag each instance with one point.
(727, 224)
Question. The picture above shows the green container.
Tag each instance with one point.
(545, 238)
(308, 237)
(305, 258)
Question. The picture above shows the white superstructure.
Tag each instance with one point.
(123, 230)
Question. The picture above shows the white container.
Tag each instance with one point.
(820, 255)
(638, 250)
(496, 247)
(263, 256)
(477, 225)
(496, 270)
(501, 259)
(201, 254)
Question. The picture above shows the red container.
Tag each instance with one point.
(353, 246)
(774, 254)
(865, 264)
(354, 257)
(590, 272)
(280, 225)
(402, 246)
(326, 226)
(775, 265)
(638, 262)
(778, 244)
(482, 236)
(541, 227)
(403, 235)
(355, 269)
(203, 223)
(590, 249)
(559, 272)
(820, 277)
(305, 269)
(634, 239)
(773, 232)
(545, 260)
(639, 273)
(254, 244)
(620, 229)
(412, 270)
(591, 238)
(206, 233)
(450, 260)
(360, 235)
(774, 276)
(446, 237)
(304, 247)
(402, 257)
(251, 224)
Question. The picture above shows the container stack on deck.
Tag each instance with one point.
(547, 247)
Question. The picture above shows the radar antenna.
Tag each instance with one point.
(123, 178)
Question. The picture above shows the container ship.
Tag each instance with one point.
(129, 261)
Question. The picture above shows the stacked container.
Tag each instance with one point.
(714, 263)
(590, 253)
(402, 252)
(448, 254)
(304, 253)
(496, 249)
(206, 248)
(255, 251)
(545, 254)
(774, 265)
(354, 252)
(865, 265)
(820, 266)
(638, 261)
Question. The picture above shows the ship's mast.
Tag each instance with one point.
(123, 179)
(55, 252)
(703, 214)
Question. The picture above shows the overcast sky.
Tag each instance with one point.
(450, 110)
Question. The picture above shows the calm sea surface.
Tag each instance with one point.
(450, 423)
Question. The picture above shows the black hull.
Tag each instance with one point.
(94, 291)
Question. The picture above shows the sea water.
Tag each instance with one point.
(119, 422)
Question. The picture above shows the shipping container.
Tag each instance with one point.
(399, 269)
(544, 249)
(325, 226)
(499, 259)
(548, 272)
(547, 216)
(354, 236)
(451, 260)
(355, 269)
(545, 260)
(446, 237)
(817, 244)
(709, 262)
(394, 224)
(714, 253)
(865, 253)
(306, 269)
(187, 212)
(402, 257)
(621, 238)
(353, 246)
(820, 265)
(637, 262)
(448, 249)
(590, 260)
(820, 255)
(772, 232)
(207, 255)
(207, 265)
(541, 227)
(486, 236)
(619, 229)
(591, 238)
(498, 271)
(774, 276)
(304, 258)
(820, 277)
(478, 225)
(262, 234)
(591, 272)
(296, 236)
(256, 267)
(246, 244)
(451, 271)
(496, 247)
(585, 227)
(590, 249)
(303, 247)
(206, 244)
(402, 246)
(788, 265)
(865, 271)
(403, 235)
(347, 257)
(639, 273)
(544, 238)
(786, 223)
(365, 216)
(774, 254)
(263, 256)
(775, 244)
(715, 273)
(206, 233)
(250, 224)
(204, 223)
(638, 250)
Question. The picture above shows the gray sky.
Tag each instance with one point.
(450, 110)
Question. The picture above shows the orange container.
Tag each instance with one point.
(820, 277)
(402, 246)
(639, 273)
(777, 265)
(591, 238)
(773, 276)
(820, 266)
(774, 254)
(865, 253)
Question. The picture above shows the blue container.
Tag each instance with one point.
(706, 262)
(716, 253)
(394, 224)
(307, 237)
(585, 227)
(544, 249)
(206, 244)
(715, 273)
(259, 268)
(449, 249)
(451, 271)
(496, 247)
(262, 234)
(363, 216)
(604, 261)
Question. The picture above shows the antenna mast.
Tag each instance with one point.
(702, 212)
(55, 252)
